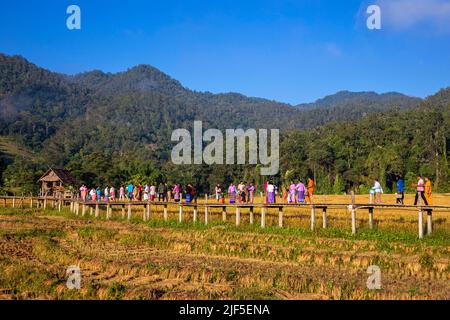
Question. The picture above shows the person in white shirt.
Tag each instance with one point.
(106, 198)
(378, 190)
(270, 192)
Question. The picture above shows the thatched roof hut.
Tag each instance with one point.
(58, 182)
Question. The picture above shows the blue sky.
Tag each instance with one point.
(291, 51)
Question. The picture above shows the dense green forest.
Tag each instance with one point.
(114, 128)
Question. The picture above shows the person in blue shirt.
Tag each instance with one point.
(400, 190)
(130, 189)
(99, 193)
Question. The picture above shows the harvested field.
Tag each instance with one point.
(167, 260)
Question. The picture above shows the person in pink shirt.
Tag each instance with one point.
(112, 193)
(83, 192)
(420, 191)
(232, 193)
(291, 194)
(176, 191)
(122, 193)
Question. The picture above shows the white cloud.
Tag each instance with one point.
(406, 14)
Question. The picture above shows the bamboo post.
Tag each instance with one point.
(91, 210)
(353, 213)
(195, 214)
(148, 211)
(31, 201)
(180, 213)
(420, 223)
(263, 217)
(238, 216)
(206, 209)
(251, 215)
(420, 218)
(324, 217)
(429, 221)
(165, 212)
(353, 220)
(108, 211)
(123, 211)
(97, 211)
(224, 214)
(77, 212)
(280, 216)
(129, 211)
(144, 213)
(313, 216)
(371, 217)
(14, 202)
(71, 206)
(45, 203)
(83, 210)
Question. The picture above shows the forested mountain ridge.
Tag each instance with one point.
(348, 97)
(35, 103)
(346, 105)
(115, 127)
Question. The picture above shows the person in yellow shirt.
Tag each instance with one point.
(310, 190)
(428, 191)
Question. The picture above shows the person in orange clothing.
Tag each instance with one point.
(310, 190)
(428, 191)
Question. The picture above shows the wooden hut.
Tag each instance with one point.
(58, 182)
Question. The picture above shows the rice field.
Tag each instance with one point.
(155, 259)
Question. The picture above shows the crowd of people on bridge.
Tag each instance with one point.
(243, 192)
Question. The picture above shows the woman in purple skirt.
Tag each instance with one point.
(301, 191)
(232, 193)
(270, 193)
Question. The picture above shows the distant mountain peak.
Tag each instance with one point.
(141, 78)
(345, 97)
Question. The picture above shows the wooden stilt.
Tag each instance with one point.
(429, 222)
(371, 217)
(263, 217)
(224, 214)
(420, 223)
(238, 216)
(353, 219)
(280, 217)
